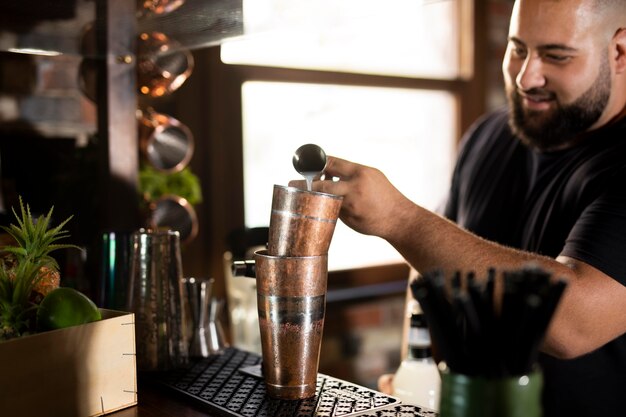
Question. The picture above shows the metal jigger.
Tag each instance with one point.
(208, 337)
(216, 337)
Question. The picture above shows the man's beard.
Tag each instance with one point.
(554, 129)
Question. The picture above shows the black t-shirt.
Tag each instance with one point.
(570, 202)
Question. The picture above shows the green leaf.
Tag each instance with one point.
(154, 184)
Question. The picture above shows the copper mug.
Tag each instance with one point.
(165, 142)
(151, 8)
(175, 213)
(302, 222)
(291, 298)
(163, 65)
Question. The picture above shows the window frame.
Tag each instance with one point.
(216, 117)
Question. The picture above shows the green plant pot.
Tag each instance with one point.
(464, 396)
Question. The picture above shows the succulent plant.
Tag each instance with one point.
(27, 271)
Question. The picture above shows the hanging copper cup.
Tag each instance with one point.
(150, 8)
(165, 142)
(174, 213)
(162, 64)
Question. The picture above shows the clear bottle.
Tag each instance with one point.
(417, 381)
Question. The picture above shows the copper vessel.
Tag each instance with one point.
(175, 213)
(302, 222)
(291, 295)
(150, 8)
(162, 64)
(165, 142)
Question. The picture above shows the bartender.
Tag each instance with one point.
(543, 181)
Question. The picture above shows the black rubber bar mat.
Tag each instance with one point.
(229, 384)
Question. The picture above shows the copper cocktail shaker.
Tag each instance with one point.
(302, 222)
(291, 289)
(291, 295)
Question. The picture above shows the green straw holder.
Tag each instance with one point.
(468, 396)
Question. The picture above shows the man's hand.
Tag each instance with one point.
(385, 384)
(370, 200)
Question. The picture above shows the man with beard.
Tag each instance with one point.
(542, 183)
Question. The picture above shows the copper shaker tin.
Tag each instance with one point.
(302, 222)
(291, 295)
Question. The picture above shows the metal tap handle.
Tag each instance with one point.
(244, 269)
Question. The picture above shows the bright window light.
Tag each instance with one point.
(408, 134)
(412, 38)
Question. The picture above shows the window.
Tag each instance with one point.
(379, 84)
(411, 38)
(406, 133)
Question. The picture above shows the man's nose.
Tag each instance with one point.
(531, 74)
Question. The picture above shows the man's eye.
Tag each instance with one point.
(519, 52)
(557, 58)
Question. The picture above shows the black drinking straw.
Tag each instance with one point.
(525, 334)
(471, 331)
(544, 317)
(439, 317)
(471, 337)
(483, 346)
(512, 316)
(490, 289)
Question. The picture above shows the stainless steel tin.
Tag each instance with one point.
(155, 296)
(207, 333)
(199, 294)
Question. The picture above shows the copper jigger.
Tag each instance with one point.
(302, 222)
(291, 295)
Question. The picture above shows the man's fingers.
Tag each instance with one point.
(326, 186)
(385, 384)
(337, 167)
(332, 187)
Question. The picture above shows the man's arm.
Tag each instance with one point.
(591, 310)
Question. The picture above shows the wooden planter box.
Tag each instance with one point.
(81, 371)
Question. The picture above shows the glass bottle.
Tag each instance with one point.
(417, 380)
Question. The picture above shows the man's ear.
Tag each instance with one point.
(619, 51)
